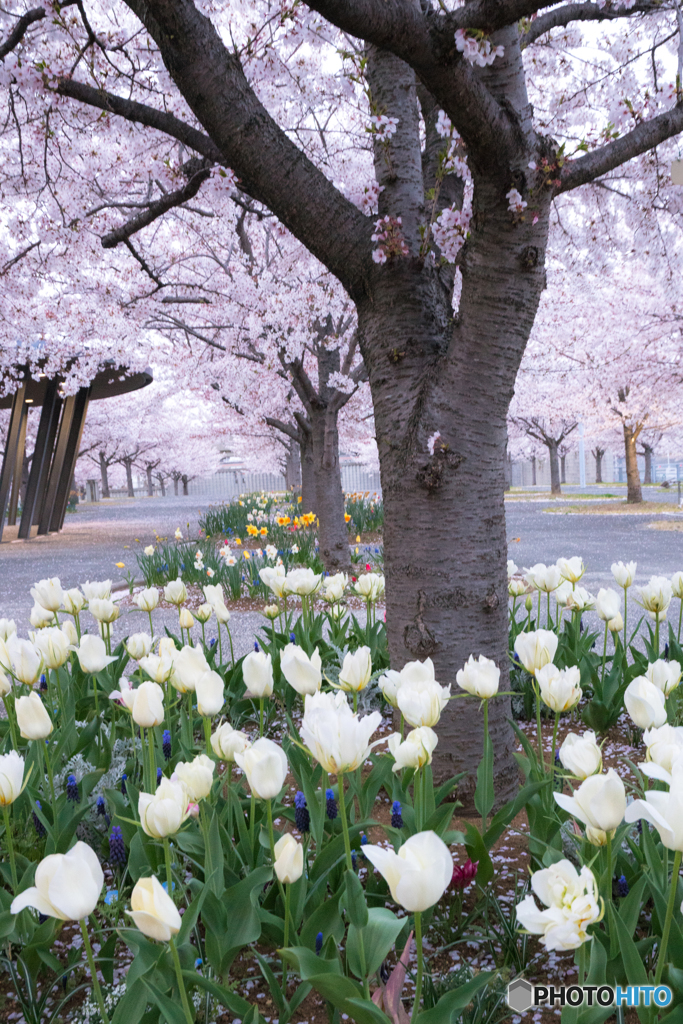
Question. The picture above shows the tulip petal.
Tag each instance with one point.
(32, 898)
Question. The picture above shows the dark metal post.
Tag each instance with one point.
(47, 511)
(18, 468)
(72, 447)
(40, 465)
(10, 458)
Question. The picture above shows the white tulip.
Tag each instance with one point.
(26, 662)
(562, 593)
(5, 683)
(53, 646)
(645, 703)
(73, 601)
(210, 694)
(68, 885)
(221, 612)
(7, 628)
(185, 619)
(196, 776)
(581, 755)
(616, 624)
(599, 802)
(302, 673)
(666, 675)
(607, 604)
(70, 632)
(104, 610)
(624, 574)
(153, 911)
(536, 649)
(370, 586)
(419, 874)
(148, 706)
(356, 670)
(656, 597)
(512, 569)
(560, 688)
(138, 645)
(420, 698)
(92, 654)
(265, 766)
(175, 592)
(335, 587)
(389, 683)
(303, 582)
(663, 810)
(545, 578)
(11, 777)
(125, 695)
(257, 672)
(157, 668)
(573, 903)
(162, 813)
(571, 569)
(415, 751)
(48, 594)
(147, 600)
(664, 747)
(580, 600)
(40, 617)
(274, 577)
(97, 591)
(213, 592)
(481, 678)
(203, 613)
(289, 859)
(226, 742)
(677, 585)
(189, 664)
(517, 587)
(338, 739)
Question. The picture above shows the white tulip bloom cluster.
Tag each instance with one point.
(572, 902)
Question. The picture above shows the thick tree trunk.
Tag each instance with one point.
(598, 454)
(162, 484)
(128, 463)
(555, 486)
(150, 482)
(176, 479)
(648, 453)
(563, 469)
(333, 536)
(533, 470)
(185, 480)
(634, 493)
(104, 475)
(309, 502)
(293, 467)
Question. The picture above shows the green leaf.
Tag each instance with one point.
(334, 850)
(379, 935)
(240, 1007)
(172, 1011)
(484, 794)
(456, 999)
(356, 907)
(326, 919)
(634, 968)
(133, 1004)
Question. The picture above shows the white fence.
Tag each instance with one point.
(228, 483)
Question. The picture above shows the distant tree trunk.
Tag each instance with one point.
(563, 468)
(634, 492)
(293, 467)
(333, 535)
(555, 485)
(185, 480)
(598, 454)
(533, 470)
(150, 482)
(508, 471)
(128, 463)
(162, 484)
(104, 474)
(309, 497)
(176, 479)
(648, 452)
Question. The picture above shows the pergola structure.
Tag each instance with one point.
(58, 441)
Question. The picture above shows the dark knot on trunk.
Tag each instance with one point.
(491, 601)
(529, 257)
(417, 637)
(430, 475)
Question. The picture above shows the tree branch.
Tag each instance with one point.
(156, 210)
(562, 16)
(19, 30)
(284, 428)
(642, 138)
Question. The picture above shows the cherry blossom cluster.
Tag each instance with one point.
(515, 202)
(382, 126)
(477, 50)
(450, 231)
(390, 237)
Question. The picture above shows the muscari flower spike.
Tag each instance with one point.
(396, 816)
(39, 827)
(166, 744)
(302, 817)
(331, 804)
(72, 793)
(117, 847)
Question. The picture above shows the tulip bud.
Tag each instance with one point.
(73, 601)
(97, 591)
(289, 859)
(257, 672)
(186, 619)
(53, 646)
(40, 617)
(581, 755)
(163, 812)
(7, 628)
(189, 663)
(419, 874)
(529, 603)
(196, 776)
(68, 885)
(147, 600)
(356, 670)
(271, 611)
(265, 765)
(210, 695)
(203, 613)
(70, 632)
(480, 678)
(26, 663)
(138, 645)
(92, 654)
(32, 717)
(153, 911)
(11, 777)
(148, 708)
(616, 624)
(48, 594)
(226, 742)
(175, 592)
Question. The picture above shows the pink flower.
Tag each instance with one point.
(193, 810)
(462, 876)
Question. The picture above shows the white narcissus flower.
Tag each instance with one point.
(581, 755)
(370, 586)
(420, 698)
(175, 592)
(94, 591)
(645, 703)
(571, 569)
(11, 777)
(303, 582)
(419, 874)
(302, 673)
(536, 649)
(389, 683)
(580, 600)
(157, 668)
(148, 706)
(677, 585)
(53, 646)
(68, 885)
(666, 675)
(147, 600)
(148, 550)
(599, 802)
(265, 765)
(415, 751)
(7, 628)
(26, 662)
(73, 601)
(92, 654)
(104, 610)
(356, 670)
(48, 594)
(607, 604)
(663, 810)
(545, 578)
(289, 859)
(153, 911)
(656, 596)
(196, 776)
(189, 663)
(138, 645)
(624, 574)
(210, 694)
(560, 688)
(227, 741)
(257, 672)
(40, 617)
(481, 678)
(664, 747)
(338, 739)
(32, 718)
(162, 813)
(573, 905)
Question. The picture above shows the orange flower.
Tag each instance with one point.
(299, 500)
(347, 517)
(252, 531)
(264, 532)
(283, 520)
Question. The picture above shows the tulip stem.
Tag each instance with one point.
(271, 836)
(661, 959)
(355, 701)
(152, 760)
(680, 619)
(94, 689)
(51, 780)
(10, 847)
(252, 823)
(345, 824)
(625, 618)
(232, 652)
(552, 756)
(93, 972)
(151, 627)
(207, 736)
(208, 864)
(12, 723)
(288, 889)
(60, 695)
(220, 645)
(189, 1016)
(608, 872)
(260, 715)
(420, 966)
(656, 636)
(169, 869)
(604, 654)
(539, 731)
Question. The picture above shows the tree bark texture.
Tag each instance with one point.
(634, 492)
(598, 455)
(186, 481)
(533, 470)
(150, 482)
(555, 486)
(648, 452)
(128, 463)
(563, 469)
(293, 467)
(104, 475)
